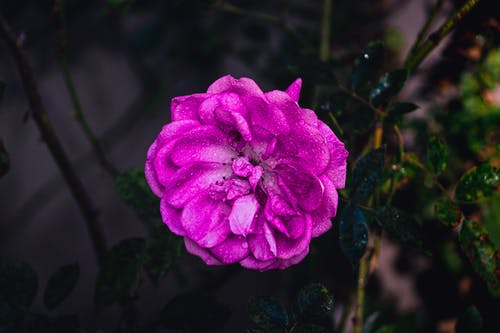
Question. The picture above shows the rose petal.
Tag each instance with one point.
(172, 218)
(285, 263)
(205, 221)
(241, 167)
(294, 90)
(322, 216)
(252, 263)
(186, 107)
(232, 250)
(242, 214)
(243, 86)
(287, 248)
(338, 156)
(204, 254)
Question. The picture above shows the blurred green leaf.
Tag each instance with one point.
(193, 312)
(400, 226)
(312, 302)
(18, 284)
(4, 160)
(135, 192)
(397, 110)
(310, 328)
(353, 233)
(436, 155)
(366, 174)
(387, 329)
(388, 86)
(268, 313)
(470, 321)
(161, 250)
(119, 275)
(367, 65)
(61, 284)
(479, 182)
(476, 244)
(448, 212)
(491, 217)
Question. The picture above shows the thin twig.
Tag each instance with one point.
(49, 136)
(421, 53)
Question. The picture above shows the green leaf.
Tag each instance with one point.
(477, 245)
(387, 329)
(366, 174)
(268, 313)
(477, 183)
(397, 110)
(388, 86)
(400, 226)
(491, 215)
(436, 155)
(193, 312)
(353, 233)
(312, 302)
(367, 65)
(161, 251)
(119, 275)
(135, 193)
(61, 284)
(4, 160)
(470, 321)
(310, 328)
(448, 212)
(18, 284)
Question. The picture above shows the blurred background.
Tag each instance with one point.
(129, 58)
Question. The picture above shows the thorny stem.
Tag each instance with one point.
(49, 136)
(419, 55)
(77, 107)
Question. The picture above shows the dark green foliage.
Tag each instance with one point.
(400, 226)
(388, 86)
(268, 313)
(4, 160)
(436, 155)
(119, 275)
(367, 65)
(18, 284)
(135, 192)
(366, 174)
(312, 302)
(161, 251)
(477, 245)
(310, 328)
(448, 212)
(397, 110)
(353, 233)
(387, 329)
(193, 312)
(61, 284)
(470, 321)
(478, 182)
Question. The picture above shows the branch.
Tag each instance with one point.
(421, 53)
(49, 136)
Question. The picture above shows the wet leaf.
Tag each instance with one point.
(135, 193)
(353, 233)
(314, 301)
(61, 284)
(470, 321)
(400, 226)
(18, 284)
(477, 245)
(367, 173)
(119, 275)
(367, 65)
(448, 212)
(193, 312)
(477, 183)
(388, 86)
(268, 313)
(436, 155)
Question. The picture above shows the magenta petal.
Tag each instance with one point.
(242, 214)
(286, 248)
(204, 254)
(259, 247)
(232, 119)
(172, 218)
(150, 173)
(241, 167)
(193, 180)
(232, 250)
(322, 216)
(252, 263)
(205, 221)
(243, 86)
(285, 263)
(312, 147)
(294, 90)
(266, 115)
(186, 107)
(202, 144)
(338, 156)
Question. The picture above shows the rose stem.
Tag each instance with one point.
(49, 136)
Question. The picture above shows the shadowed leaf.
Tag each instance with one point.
(353, 233)
(268, 313)
(61, 284)
(448, 212)
(312, 302)
(366, 174)
(367, 65)
(400, 226)
(388, 86)
(436, 155)
(397, 110)
(135, 193)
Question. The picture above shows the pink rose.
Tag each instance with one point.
(246, 176)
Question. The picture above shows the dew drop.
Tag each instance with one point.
(244, 245)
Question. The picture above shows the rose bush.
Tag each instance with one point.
(246, 176)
